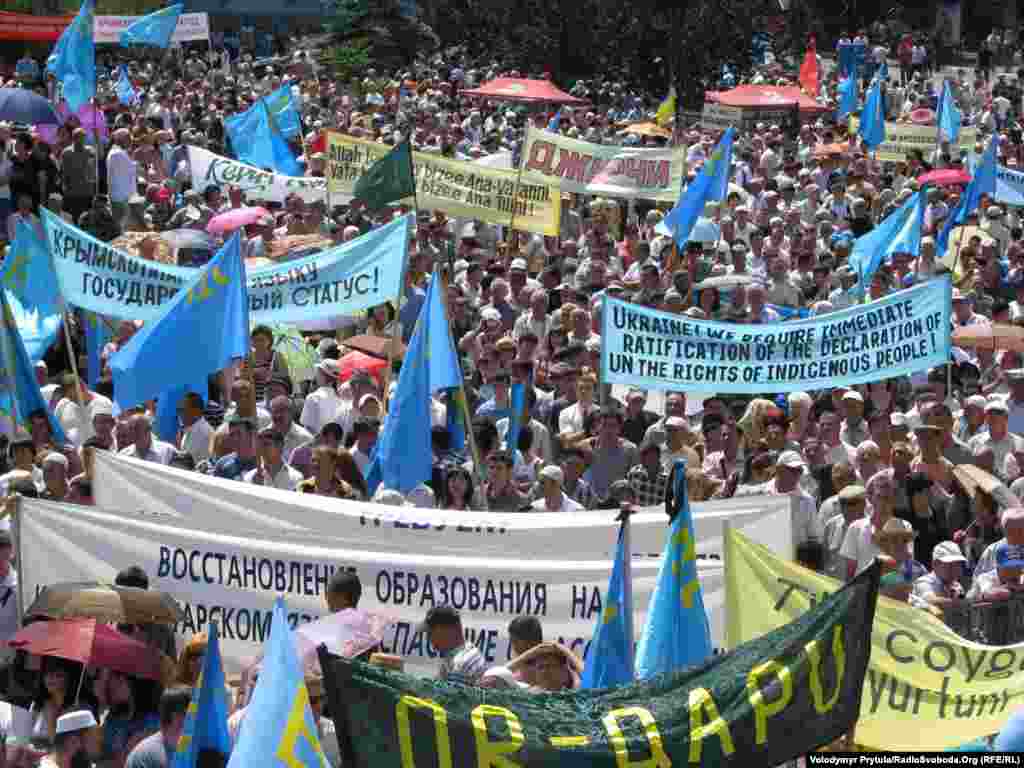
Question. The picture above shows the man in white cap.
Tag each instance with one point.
(789, 469)
(554, 498)
(854, 430)
(323, 403)
(71, 742)
(1005, 445)
(943, 586)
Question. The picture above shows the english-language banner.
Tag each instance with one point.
(1009, 186)
(210, 169)
(343, 280)
(895, 336)
(600, 169)
(191, 26)
(902, 139)
(926, 688)
(462, 190)
(407, 545)
(773, 699)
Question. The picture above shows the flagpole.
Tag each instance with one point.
(627, 588)
(71, 357)
(396, 330)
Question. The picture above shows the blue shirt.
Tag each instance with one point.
(407, 315)
(118, 731)
(231, 467)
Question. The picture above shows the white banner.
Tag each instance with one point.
(209, 168)
(191, 26)
(720, 117)
(220, 546)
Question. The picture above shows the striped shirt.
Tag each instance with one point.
(464, 664)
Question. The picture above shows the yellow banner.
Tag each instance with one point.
(903, 138)
(926, 687)
(460, 189)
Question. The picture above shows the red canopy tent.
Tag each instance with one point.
(768, 97)
(524, 90)
(24, 26)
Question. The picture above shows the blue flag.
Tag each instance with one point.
(712, 180)
(609, 659)
(281, 104)
(899, 232)
(19, 392)
(97, 336)
(518, 418)
(126, 93)
(402, 457)
(676, 633)
(847, 98)
(279, 728)
(948, 118)
(555, 121)
(33, 296)
(982, 183)
(154, 29)
(256, 140)
(872, 117)
(206, 721)
(202, 330)
(74, 64)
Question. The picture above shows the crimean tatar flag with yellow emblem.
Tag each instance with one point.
(609, 660)
(204, 328)
(279, 730)
(677, 633)
(206, 720)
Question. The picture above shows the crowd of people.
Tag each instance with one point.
(885, 469)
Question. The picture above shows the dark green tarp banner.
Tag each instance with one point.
(766, 702)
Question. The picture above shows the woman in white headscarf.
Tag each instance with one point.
(800, 404)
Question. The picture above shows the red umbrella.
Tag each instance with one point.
(945, 177)
(90, 643)
(922, 116)
(360, 361)
(236, 219)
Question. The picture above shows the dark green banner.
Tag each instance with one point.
(770, 700)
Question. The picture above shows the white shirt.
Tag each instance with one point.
(159, 452)
(567, 505)
(284, 479)
(195, 440)
(571, 419)
(293, 438)
(859, 545)
(321, 407)
(122, 175)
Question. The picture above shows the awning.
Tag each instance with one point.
(524, 90)
(767, 97)
(25, 26)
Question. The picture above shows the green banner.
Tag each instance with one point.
(768, 701)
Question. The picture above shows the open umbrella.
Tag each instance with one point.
(359, 361)
(945, 177)
(236, 219)
(375, 346)
(19, 105)
(649, 129)
(724, 281)
(104, 602)
(922, 116)
(348, 633)
(91, 643)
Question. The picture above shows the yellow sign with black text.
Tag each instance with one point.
(926, 687)
(459, 189)
(901, 139)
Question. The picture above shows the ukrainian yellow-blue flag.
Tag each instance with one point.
(676, 633)
(279, 729)
(203, 330)
(206, 723)
(609, 660)
(667, 108)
